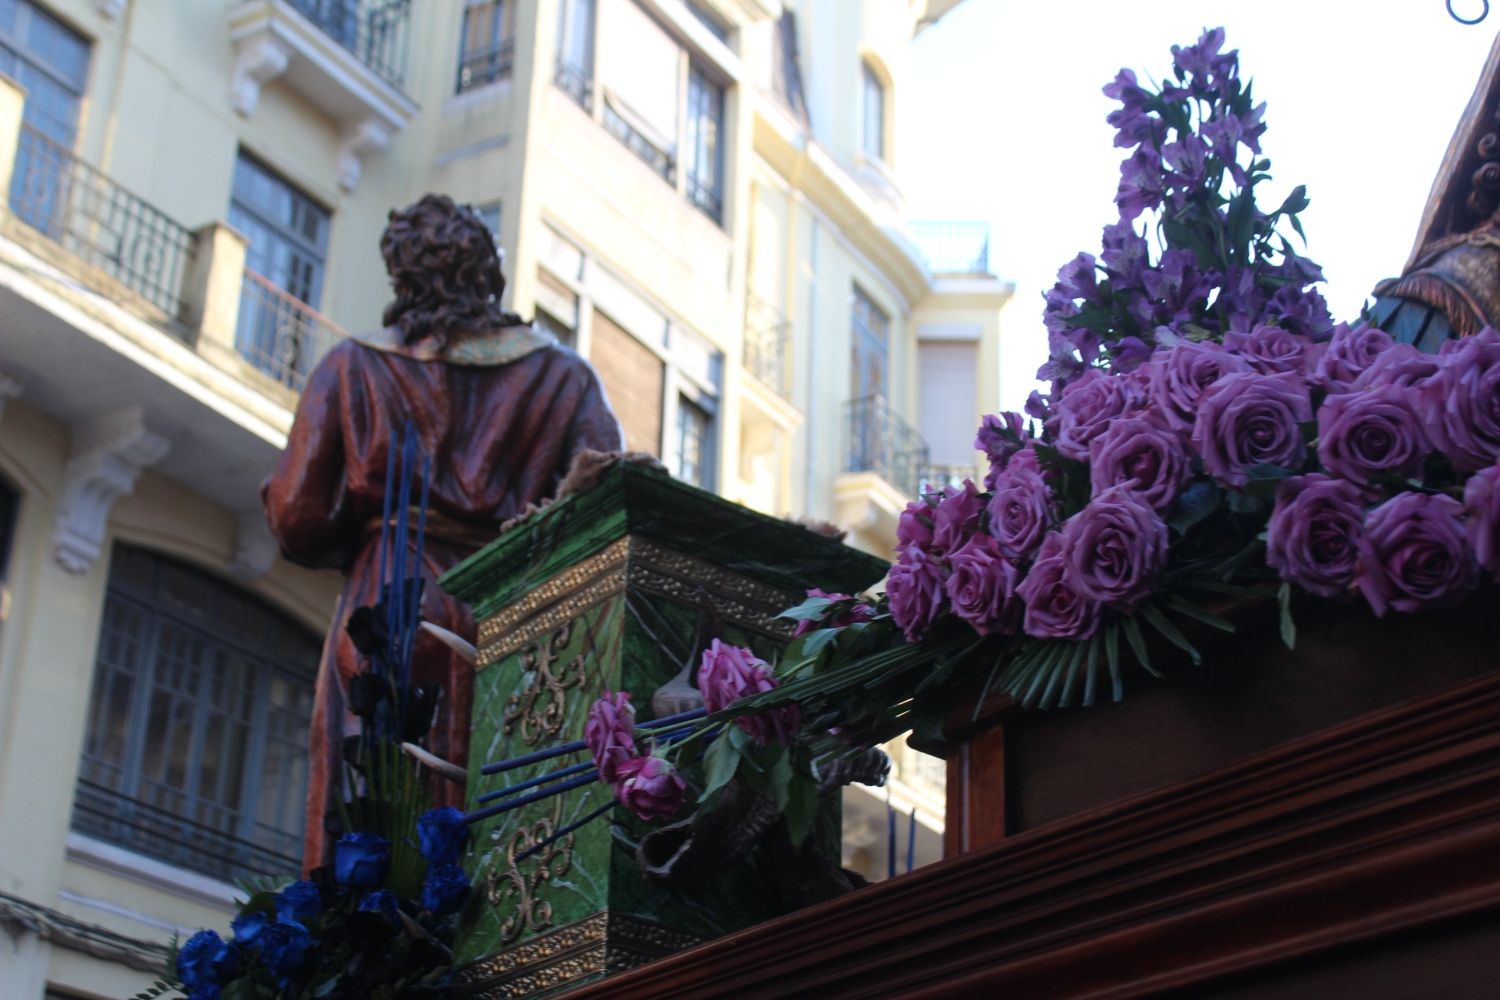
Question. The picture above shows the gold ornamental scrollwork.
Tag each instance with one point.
(542, 708)
(506, 881)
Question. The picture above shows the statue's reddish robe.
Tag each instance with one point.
(501, 434)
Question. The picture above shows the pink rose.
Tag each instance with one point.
(957, 518)
(610, 733)
(1415, 555)
(1462, 406)
(1180, 374)
(1055, 609)
(1087, 406)
(1019, 511)
(1482, 505)
(916, 589)
(1350, 353)
(1271, 350)
(1249, 419)
(1144, 456)
(914, 527)
(1114, 549)
(1401, 364)
(651, 788)
(1312, 539)
(728, 673)
(1371, 433)
(982, 587)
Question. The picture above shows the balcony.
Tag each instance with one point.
(878, 440)
(100, 223)
(767, 345)
(477, 69)
(347, 57)
(953, 248)
(280, 335)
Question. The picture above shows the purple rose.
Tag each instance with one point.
(1415, 555)
(1019, 511)
(1462, 408)
(1270, 349)
(610, 733)
(1371, 433)
(651, 788)
(1114, 549)
(1086, 408)
(1301, 310)
(728, 673)
(1142, 455)
(1401, 364)
(915, 526)
(916, 589)
(1313, 537)
(1180, 374)
(982, 587)
(1482, 505)
(1055, 609)
(957, 518)
(1351, 351)
(1248, 419)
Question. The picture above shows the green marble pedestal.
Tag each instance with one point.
(614, 588)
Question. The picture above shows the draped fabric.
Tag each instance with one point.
(501, 438)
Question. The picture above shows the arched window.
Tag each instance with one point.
(872, 100)
(196, 749)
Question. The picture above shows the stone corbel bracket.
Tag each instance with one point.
(257, 62)
(254, 548)
(109, 452)
(359, 140)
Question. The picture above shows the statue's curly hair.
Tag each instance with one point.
(445, 272)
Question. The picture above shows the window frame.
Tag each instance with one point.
(498, 59)
(873, 82)
(314, 251)
(136, 823)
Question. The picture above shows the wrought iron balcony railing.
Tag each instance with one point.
(99, 221)
(210, 843)
(879, 441)
(281, 335)
(650, 154)
(575, 82)
(376, 31)
(936, 476)
(476, 69)
(768, 339)
(953, 247)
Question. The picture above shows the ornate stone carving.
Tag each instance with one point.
(542, 708)
(257, 61)
(358, 141)
(529, 912)
(109, 453)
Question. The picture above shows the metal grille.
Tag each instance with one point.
(575, 83)
(488, 47)
(935, 477)
(200, 706)
(376, 32)
(953, 247)
(879, 441)
(479, 68)
(657, 159)
(281, 335)
(768, 336)
(99, 221)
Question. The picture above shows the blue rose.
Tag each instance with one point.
(442, 832)
(382, 901)
(247, 927)
(445, 889)
(299, 901)
(283, 946)
(199, 959)
(361, 860)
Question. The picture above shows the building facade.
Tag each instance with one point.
(700, 196)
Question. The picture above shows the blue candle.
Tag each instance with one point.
(890, 838)
(911, 842)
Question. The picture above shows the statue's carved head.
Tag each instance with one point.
(445, 271)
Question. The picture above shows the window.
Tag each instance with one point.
(694, 440)
(664, 105)
(288, 234)
(871, 347)
(196, 747)
(703, 158)
(51, 61)
(709, 20)
(488, 43)
(575, 50)
(872, 134)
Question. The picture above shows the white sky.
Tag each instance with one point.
(1006, 123)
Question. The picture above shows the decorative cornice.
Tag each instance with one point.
(109, 452)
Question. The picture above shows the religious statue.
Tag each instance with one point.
(502, 409)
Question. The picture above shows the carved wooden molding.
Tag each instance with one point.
(1334, 859)
(109, 452)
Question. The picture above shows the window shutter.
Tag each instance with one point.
(633, 379)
